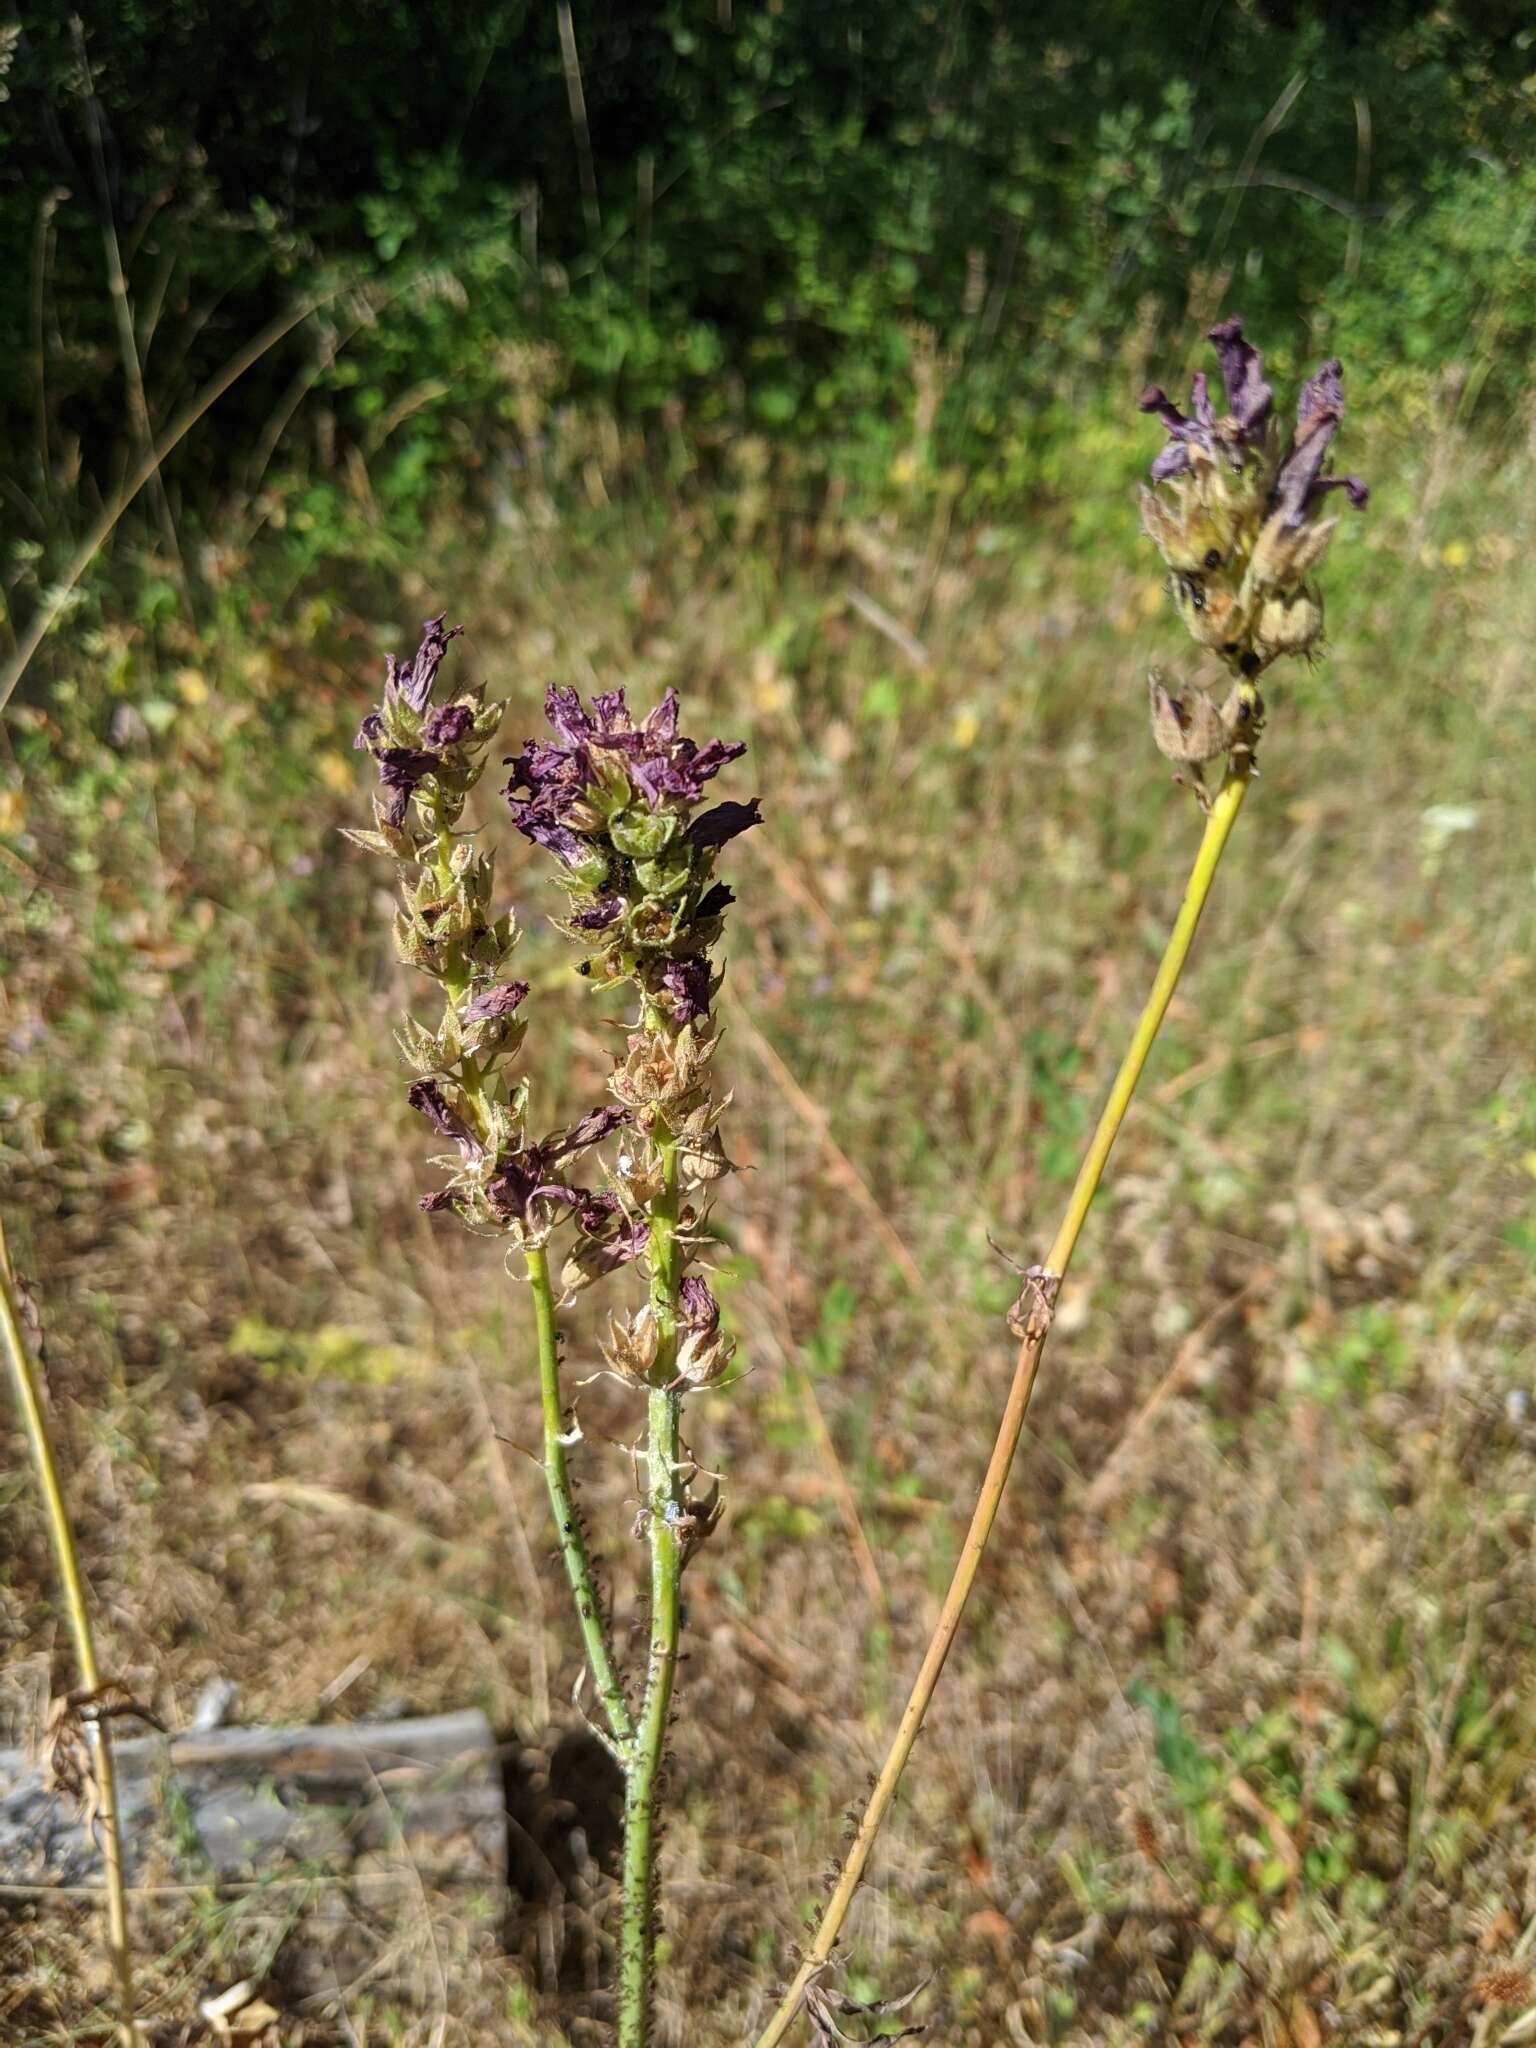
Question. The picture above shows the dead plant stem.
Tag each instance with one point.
(1219, 822)
(30, 1401)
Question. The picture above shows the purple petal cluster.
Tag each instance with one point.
(1244, 424)
(664, 767)
(1300, 482)
(697, 1307)
(613, 798)
(429, 1099)
(402, 768)
(1244, 427)
(494, 1003)
(530, 1175)
(687, 982)
(413, 680)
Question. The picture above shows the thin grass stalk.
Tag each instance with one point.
(34, 1418)
(1219, 822)
(664, 1508)
(562, 1505)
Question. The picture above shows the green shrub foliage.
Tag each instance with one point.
(884, 236)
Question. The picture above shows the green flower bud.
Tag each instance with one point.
(642, 834)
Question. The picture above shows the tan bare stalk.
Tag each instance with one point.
(1037, 1323)
(34, 1418)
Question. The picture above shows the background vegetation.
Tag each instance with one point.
(799, 369)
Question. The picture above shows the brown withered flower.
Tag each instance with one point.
(1239, 515)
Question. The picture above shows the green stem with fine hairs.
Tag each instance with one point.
(1218, 826)
(29, 1399)
(562, 1505)
(663, 1509)
(479, 1087)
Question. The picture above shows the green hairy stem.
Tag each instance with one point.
(663, 1510)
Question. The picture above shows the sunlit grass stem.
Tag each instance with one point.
(1219, 822)
(34, 1418)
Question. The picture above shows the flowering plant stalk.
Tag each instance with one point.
(1241, 530)
(79, 1736)
(620, 805)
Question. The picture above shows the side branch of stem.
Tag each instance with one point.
(562, 1502)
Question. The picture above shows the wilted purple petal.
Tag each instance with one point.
(429, 1099)
(612, 712)
(545, 831)
(1200, 402)
(1358, 490)
(589, 1130)
(440, 1199)
(1299, 471)
(598, 916)
(626, 1245)
(522, 1178)
(1155, 399)
(697, 1306)
(566, 713)
(1322, 394)
(687, 982)
(495, 1002)
(596, 1213)
(714, 755)
(370, 732)
(1249, 398)
(716, 900)
(447, 726)
(659, 778)
(402, 770)
(661, 723)
(1173, 461)
(540, 767)
(414, 679)
(714, 828)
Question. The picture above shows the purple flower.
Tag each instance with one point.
(715, 901)
(697, 1306)
(495, 1002)
(680, 769)
(1249, 400)
(537, 825)
(596, 1213)
(599, 915)
(402, 770)
(522, 1178)
(413, 680)
(687, 982)
(370, 732)
(1300, 482)
(440, 1199)
(608, 1254)
(429, 1099)
(714, 828)
(554, 778)
(589, 1130)
(663, 767)
(446, 726)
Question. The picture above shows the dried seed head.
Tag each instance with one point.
(633, 1341)
(1190, 728)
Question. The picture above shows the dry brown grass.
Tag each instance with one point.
(1238, 1747)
